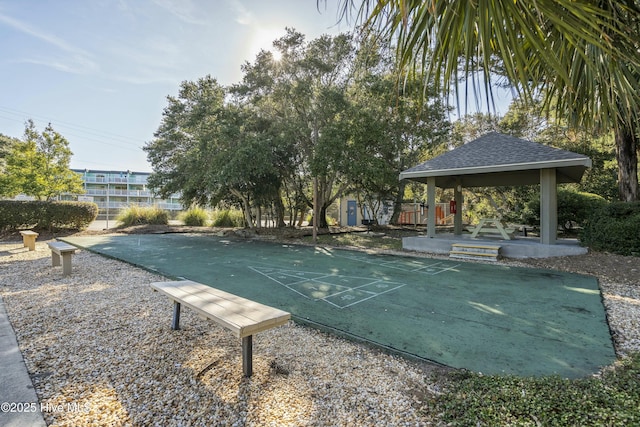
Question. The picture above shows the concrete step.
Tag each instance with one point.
(471, 251)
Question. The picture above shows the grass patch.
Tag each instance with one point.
(227, 218)
(194, 217)
(474, 399)
(138, 215)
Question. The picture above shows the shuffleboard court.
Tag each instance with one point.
(486, 318)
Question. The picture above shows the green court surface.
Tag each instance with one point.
(487, 318)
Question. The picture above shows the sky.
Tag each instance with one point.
(100, 70)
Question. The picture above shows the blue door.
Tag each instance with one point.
(352, 213)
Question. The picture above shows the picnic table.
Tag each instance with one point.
(492, 226)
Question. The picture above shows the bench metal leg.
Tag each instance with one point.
(247, 355)
(175, 323)
(66, 264)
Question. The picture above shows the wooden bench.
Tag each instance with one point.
(240, 315)
(64, 251)
(29, 239)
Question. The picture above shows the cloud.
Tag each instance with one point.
(184, 10)
(243, 15)
(78, 61)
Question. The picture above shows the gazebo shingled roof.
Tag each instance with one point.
(496, 159)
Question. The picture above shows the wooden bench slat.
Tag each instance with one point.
(253, 310)
(230, 317)
(62, 247)
(250, 310)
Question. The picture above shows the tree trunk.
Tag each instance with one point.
(246, 208)
(280, 210)
(627, 157)
(322, 217)
(397, 204)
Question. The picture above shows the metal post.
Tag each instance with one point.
(247, 355)
(108, 202)
(175, 324)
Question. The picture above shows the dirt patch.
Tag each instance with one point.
(607, 267)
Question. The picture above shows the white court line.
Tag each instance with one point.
(293, 273)
(302, 279)
(393, 264)
(324, 279)
(348, 289)
(446, 269)
(372, 296)
(279, 282)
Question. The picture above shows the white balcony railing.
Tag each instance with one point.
(142, 180)
(117, 192)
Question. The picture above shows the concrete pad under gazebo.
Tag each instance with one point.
(502, 160)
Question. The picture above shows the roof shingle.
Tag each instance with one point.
(498, 159)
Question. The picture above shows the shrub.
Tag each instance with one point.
(71, 215)
(228, 218)
(474, 399)
(614, 228)
(573, 208)
(196, 217)
(138, 215)
(15, 215)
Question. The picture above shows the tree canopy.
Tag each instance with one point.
(38, 165)
(326, 114)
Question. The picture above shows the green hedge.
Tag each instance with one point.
(574, 208)
(614, 228)
(17, 215)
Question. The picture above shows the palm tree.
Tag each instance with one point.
(581, 56)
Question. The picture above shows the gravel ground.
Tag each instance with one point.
(98, 345)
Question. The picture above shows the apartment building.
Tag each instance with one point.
(115, 190)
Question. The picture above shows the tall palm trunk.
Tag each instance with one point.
(627, 157)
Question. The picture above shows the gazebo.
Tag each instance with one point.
(501, 160)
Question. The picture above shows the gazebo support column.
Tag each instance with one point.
(431, 203)
(548, 207)
(457, 217)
